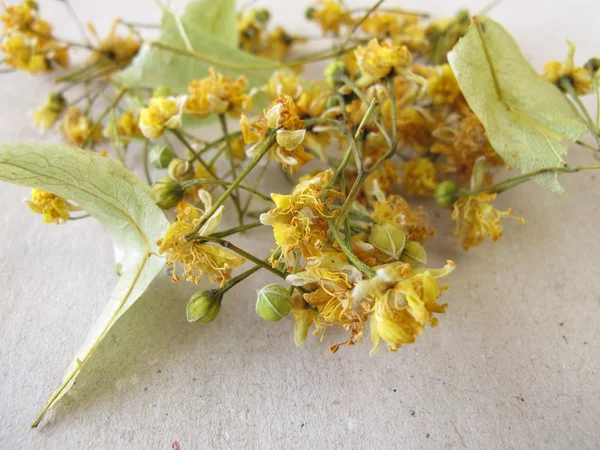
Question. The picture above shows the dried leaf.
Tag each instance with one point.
(525, 117)
(115, 197)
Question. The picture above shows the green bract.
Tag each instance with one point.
(207, 28)
(525, 117)
(115, 197)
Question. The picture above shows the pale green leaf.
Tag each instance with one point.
(115, 197)
(525, 117)
(214, 45)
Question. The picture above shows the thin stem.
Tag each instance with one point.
(266, 147)
(187, 145)
(234, 195)
(201, 181)
(236, 230)
(348, 251)
(241, 277)
(146, 168)
(116, 100)
(250, 257)
(567, 86)
(394, 11)
(357, 25)
(515, 181)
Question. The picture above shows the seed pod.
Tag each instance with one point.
(160, 156)
(204, 306)
(273, 302)
(445, 193)
(161, 91)
(414, 254)
(167, 192)
(263, 15)
(389, 239)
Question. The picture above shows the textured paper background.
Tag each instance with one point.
(513, 364)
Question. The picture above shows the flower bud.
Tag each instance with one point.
(204, 306)
(593, 65)
(445, 193)
(160, 156)
(389, 239)
(414, 254)
(334, 71)
(273, 302)
(309, 12)
(167, 193)
(180, 169)
(262, 15)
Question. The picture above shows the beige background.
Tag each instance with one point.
(514, 363)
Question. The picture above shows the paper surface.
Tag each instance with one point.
(514, 363)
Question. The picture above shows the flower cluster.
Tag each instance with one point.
(27, 40)
(385, 128)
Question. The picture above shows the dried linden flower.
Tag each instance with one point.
(53, 208)
(477, 219)
(162, 112)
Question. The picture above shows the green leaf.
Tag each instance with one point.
(114, 196)
(208, 30)
(525, 117)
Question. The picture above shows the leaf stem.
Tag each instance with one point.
(502, 186)
(96, 124)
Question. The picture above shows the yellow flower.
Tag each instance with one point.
(377, 60)
(162, 112)
(442, 86)
(195, 257)
(470, 144)
(277, 45)
(330, 278)
(580, 78)
(331, 16)
(217, 94)
(298, 219)
(420, 177)
(477, 219)
(53, 208)
(281, 83)
(46, 116)
(18, 18)
(250, 31)
(403, 302)
(119, 49)
(395, 210)
(126, 126)
(283, 116)
(76, 127)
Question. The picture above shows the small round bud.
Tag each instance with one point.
(388, 239)
(161, 91)
(593, 65)
(167, 193)
(32, 4)
(262, 15)
(334, 71)
(160, 156)
(204, 306)
(309, 12)
(445, 193)
(414, 254)
(273, 302)
(57, 102)
(180, 169)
